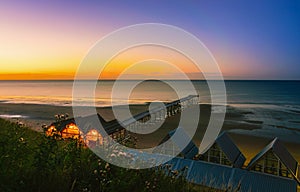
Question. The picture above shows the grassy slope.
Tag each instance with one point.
(31, 162)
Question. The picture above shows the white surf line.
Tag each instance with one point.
(13, 116)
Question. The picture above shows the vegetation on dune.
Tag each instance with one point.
(29, 161)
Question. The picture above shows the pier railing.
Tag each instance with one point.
(153, 116)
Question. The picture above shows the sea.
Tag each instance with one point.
(282, 93)
(275, 104)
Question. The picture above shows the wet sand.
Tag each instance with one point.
(36, 115)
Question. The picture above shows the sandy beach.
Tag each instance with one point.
(34, 115)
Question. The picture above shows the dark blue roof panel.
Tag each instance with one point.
(231, 179)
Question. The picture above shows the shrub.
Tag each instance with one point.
(30, 161)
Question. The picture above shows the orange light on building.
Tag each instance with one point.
(71, 131)
(51, 130)
(93, 138)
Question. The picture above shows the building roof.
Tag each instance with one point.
(191, 149)
(179, 140)
(231, 179)
(279, 150)
(60, 125)
(90, 122)
(219, 176)
(230, 150)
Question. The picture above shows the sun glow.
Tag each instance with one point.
(148, 61)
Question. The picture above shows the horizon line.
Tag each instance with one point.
(150, 80)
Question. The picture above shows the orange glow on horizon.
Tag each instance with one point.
(64, 67)
(37, 76)
(148, 61)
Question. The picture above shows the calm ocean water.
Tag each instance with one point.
(273, 105)
(238, 92)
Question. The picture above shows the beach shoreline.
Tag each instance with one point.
(35, 115)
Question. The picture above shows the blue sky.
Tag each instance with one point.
(250, 39)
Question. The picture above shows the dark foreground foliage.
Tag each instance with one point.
(29, 161)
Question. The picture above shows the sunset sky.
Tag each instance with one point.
(249, 39)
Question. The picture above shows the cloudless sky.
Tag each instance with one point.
(251, 39)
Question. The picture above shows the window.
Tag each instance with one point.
(215, 155)
(271, 164)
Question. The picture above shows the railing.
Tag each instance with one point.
(158, 113)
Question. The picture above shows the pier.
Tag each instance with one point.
(161, 113)
(86, 129)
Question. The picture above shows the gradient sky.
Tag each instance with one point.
(251, 39)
